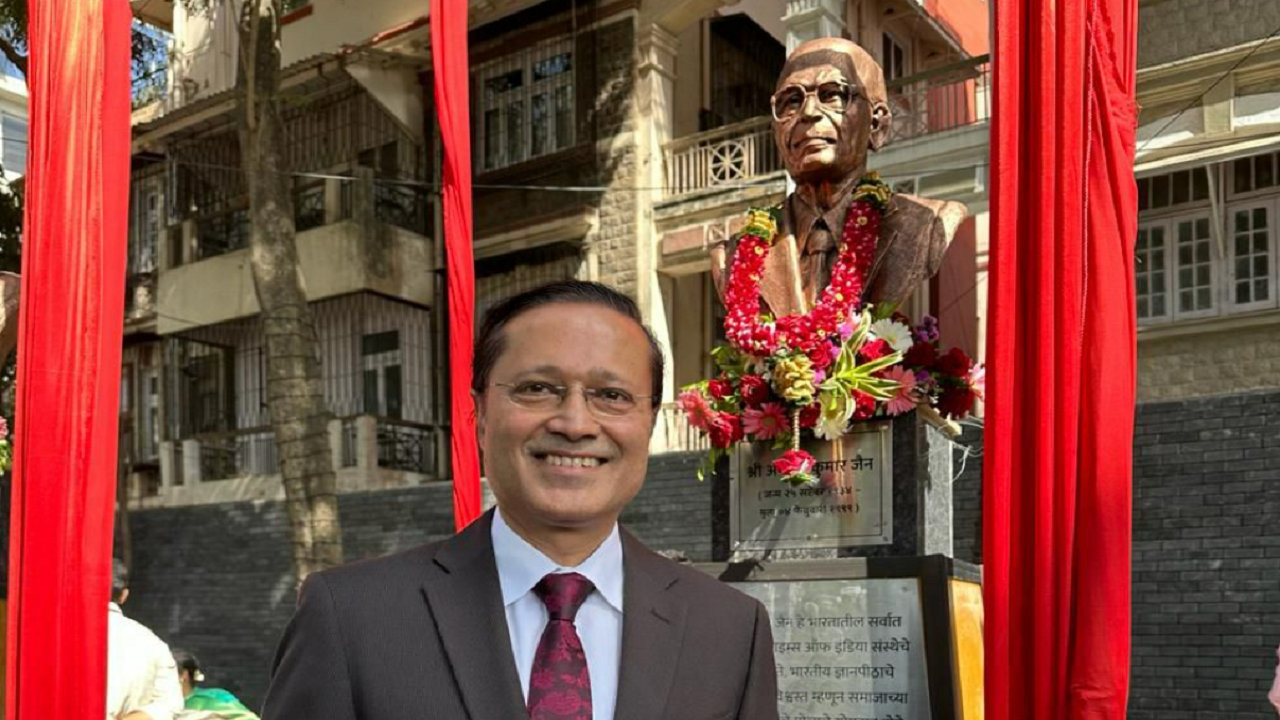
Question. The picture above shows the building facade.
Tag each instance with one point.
(612, 142)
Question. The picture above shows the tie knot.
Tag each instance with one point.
(563, 594)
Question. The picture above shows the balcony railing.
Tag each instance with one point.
(405, 446)
(941, 99)
(238, 453)
(364, 442)
(724, 156)
(223, 231)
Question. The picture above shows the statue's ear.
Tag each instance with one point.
(881, 120)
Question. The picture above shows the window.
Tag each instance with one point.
(13, 138)
(894, 58)
(1251, 245)
(1193, 261)
(383, 385)
(527, 107)
(1152, 270)
(147, 206)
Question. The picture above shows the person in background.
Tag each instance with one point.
(1274, 695)
(205, 703)
(142, 682)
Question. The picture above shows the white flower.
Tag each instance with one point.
(893, 332)
(836, 411)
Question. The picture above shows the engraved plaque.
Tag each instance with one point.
(847, 648)
(852, 503)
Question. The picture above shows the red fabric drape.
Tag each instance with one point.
(70, 330)
(449, 58)
(1061, 358)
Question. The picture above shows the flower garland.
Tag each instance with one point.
(841, 362)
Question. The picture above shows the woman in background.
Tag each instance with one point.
(205, 703)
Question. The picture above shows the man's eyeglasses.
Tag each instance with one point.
(602, 402)
(833, 97)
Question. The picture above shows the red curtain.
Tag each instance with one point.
(70, 330)
(1061, 353)
(449, 57)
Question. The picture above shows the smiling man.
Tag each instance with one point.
(830, 111)
(544, 608)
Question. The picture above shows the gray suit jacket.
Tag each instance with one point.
(422, 635)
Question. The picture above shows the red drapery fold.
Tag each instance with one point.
(69, 346)
(1062, 361)
(448, 20)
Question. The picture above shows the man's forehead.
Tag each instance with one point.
(813, 62)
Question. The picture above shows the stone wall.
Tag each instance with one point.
(217, 579)
(1214, 362)
(1171, 30)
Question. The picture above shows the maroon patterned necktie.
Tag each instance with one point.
(559, 686)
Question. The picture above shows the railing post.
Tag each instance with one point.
(335, 443)
(366, 442)
(191, 462)
(167, 468)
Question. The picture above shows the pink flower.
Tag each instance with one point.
(795, 466)
(977, 381)
(765, 423)
(4, 428)
(903, 401)
(695, 407)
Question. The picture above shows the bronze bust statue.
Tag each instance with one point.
(830, 109)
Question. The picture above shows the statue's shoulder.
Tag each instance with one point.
(915, 215)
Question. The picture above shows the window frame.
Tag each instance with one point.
(524, 60)
(1271, 205)
(1215, 282)
(1163, 225)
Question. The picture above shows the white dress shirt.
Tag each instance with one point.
(599, 620)
(141, 674)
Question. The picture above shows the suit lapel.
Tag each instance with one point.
(652, 631)
(466, 600)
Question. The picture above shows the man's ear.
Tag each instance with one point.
(881, 121)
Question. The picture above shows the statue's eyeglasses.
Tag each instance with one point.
(833, 97)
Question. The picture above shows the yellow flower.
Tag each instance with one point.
(760, 223)
(872, 189)
(793, 379)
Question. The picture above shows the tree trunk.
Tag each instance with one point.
(295, 397)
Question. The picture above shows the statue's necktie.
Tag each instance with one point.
(816, 261)
(559, 685)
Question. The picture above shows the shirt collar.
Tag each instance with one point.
(113, 607)
(521, 565)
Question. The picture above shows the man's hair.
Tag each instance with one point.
(491, 342)
(119, 579)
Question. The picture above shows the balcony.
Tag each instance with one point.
(369, 452)
(352, 235)
(743, 155)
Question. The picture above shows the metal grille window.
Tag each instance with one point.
(527, 106)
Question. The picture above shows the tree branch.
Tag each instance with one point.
(15, 57)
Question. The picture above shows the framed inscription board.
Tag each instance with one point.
(852, 503)
(871, 638)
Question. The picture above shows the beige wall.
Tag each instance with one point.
(1209, 363)
(205, 44)
(336, 259)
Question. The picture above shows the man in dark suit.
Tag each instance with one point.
(544, 608)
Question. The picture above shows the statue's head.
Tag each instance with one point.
(829, 110)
